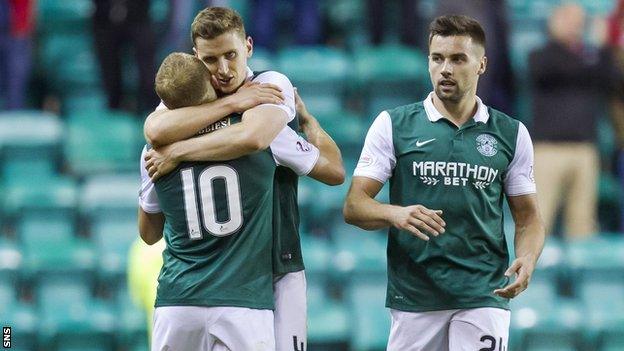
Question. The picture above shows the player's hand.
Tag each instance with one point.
(523, 268)
(302, 112)
(419, 220)
(159, 162)
(252, 94)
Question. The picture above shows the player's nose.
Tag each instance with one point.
(447, 68)
(223, 66)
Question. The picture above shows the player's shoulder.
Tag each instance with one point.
(270, 76)
(502, 119)
(406, 113)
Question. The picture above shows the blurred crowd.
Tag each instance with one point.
(574, 80)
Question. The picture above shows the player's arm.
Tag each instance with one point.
(373, 170)
(259, 126)
(528, 242)
(328, 167)
(530, 232)
(151, 226)
(163, 126)
(362, 210)
(151, 220)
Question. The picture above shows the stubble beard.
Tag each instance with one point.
(454, 97)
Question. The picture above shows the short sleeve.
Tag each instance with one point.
(377, 159)
(287, 90)
(291, 150)
(520, 179)
(148, 199)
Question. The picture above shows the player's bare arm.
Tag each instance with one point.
(151, 226)
(528, 241)
(164, 127)
(259, 126)
(361, 209)
(329, 168)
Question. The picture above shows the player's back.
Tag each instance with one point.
(218, 230)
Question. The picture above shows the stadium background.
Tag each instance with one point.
(69, 181)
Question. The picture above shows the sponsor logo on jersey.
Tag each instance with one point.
(487, 145)
(454, 173)
(215, 126)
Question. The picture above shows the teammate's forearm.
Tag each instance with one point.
(168, 126)
(529, 239)
(224, 144)
(329, 168)
(367, 213)
(318, 137)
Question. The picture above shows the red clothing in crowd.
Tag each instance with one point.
(22, 23)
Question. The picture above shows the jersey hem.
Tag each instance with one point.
(408, 308)
(282, 272)
(214, 303)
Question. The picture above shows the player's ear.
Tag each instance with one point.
(249, 46)
(482, 65)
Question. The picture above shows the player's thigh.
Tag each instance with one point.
(419, 331)
(179, 328)
(291, 312)
(484, 329)
(240, 328)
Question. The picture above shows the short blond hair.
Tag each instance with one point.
(211, 22)
(183, 80)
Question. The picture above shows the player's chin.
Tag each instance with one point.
(446, 95)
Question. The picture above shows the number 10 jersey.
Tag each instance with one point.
(218, 227)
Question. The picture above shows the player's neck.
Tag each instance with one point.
(457, 112)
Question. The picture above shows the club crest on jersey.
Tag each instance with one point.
(487, 145)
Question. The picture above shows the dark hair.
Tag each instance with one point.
(214, 21)
(449, 25)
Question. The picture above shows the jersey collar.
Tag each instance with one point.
(434, 115)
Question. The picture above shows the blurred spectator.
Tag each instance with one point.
(408, 22)
(120, 24)
(144, 263)
(571, 81)
(305, 23)
(616, 41)
(16, 29)
(496, 86)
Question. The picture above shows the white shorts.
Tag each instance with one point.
(196, 328)
(291, 330)
(450, 330)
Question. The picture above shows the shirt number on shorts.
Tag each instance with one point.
(207, 197)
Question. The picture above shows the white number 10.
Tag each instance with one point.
(207, 200)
